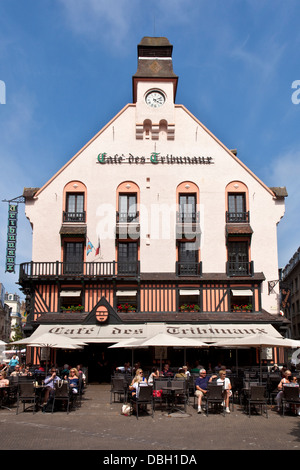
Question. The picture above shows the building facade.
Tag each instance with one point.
(5, 322)
(14, 303)
(154, 225)
(290, 294)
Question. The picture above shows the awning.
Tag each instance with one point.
(70, 293)
(207, 333)
(189, 292)
(126, 293)
(241, 292)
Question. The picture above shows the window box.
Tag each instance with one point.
(73, 308)
(126, 307)
(241, 308)
(189, 308)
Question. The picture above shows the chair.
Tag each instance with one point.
(145, 397)
(290, 397)
(61, 393)
(118, 387)
(257, 396)
(26, 394)
(184, 393)
(214, 396)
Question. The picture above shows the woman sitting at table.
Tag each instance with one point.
(139, 380)
(154, 375)
(73, 380)
(225, 382)
(4, 382)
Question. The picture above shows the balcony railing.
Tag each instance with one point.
(56, 269)
(127, 217)
(236, 268)
(187, 217)
(188, 268)
(238, 217)
(74, 216)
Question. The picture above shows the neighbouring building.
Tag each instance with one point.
(14, 303)
(154, 225)
(290, 294)
(5, 324)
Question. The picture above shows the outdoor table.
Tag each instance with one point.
(172, 388)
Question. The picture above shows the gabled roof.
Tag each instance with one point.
(274, 192)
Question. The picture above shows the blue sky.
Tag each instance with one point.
(67, 67)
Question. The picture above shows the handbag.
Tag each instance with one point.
(126, 410)
(157, 393)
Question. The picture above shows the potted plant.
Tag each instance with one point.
(73, 308)
(242, 308)
(189, 308)
(126, 307)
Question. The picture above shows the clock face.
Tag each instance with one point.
(155, 99)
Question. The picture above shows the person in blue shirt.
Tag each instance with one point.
(13, 362)
(201, 386)
(49, 383)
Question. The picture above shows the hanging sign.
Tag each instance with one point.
(11, 238)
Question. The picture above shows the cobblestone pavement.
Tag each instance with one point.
(99, 425)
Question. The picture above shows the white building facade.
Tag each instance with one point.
(182, 232)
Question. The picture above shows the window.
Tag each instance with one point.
(238, 261)
(237, 208)
(187, 208)
(128, 208)
(126, 300)
(187, 258)
(71, 300)
(73, 257)
(127, 258)
(189, 300)
(74, 208)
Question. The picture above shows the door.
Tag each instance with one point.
(127, 258)
(73, 257)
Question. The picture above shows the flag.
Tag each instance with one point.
(98, 247)
(89, 247)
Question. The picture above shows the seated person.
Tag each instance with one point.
(154, 375)
(225, 382)
(167, 372)
(180, 374)
(17, 372)
(50, 381)
(139, 380)
(73, 380)
(201, 386)
(4, 382)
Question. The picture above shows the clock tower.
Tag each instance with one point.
(154, 89)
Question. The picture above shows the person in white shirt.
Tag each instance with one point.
(225, 382)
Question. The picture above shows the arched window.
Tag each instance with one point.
(74, 202)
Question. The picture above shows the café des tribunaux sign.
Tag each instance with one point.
(113, 333)
(155, 158)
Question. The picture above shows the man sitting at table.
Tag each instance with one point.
(201, 386)
(50, 382)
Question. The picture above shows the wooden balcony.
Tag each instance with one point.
(238, 217)
(74, 216)
(188, 268)
(79, 270)
(236, 268)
